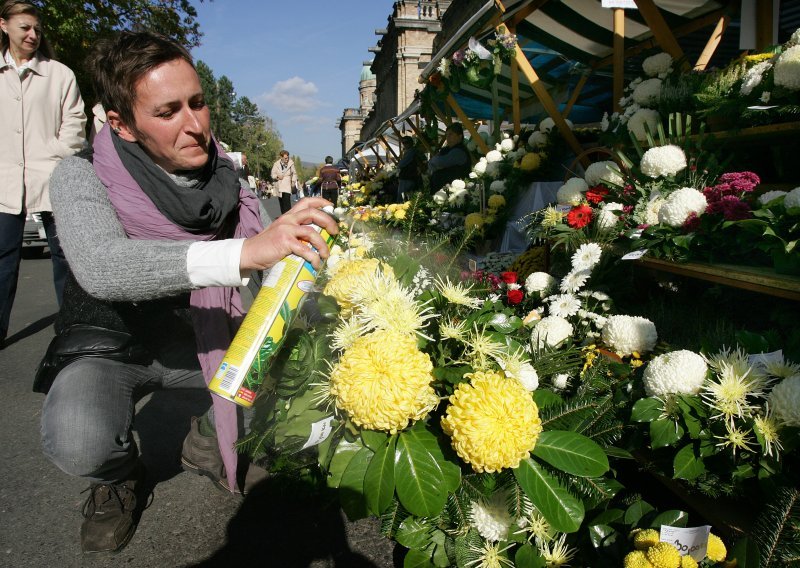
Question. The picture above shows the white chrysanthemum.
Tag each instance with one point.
(587, 256)
(606, 172)
(647, 92)
(657, 64)
(678, 372)
(560, 381)
(680, 204)
(550, 331)
(539, 283)
(663, 161)
(792, 199)
(519, 370)
(547, 124)
(795, 37)
(768, 196)
(493, 156)
(643, 116)
(440, 197)
(626, 334)
(564, 305)
(506, 145)
(752, 78)
(608, 215)
(572, 192)
(778, 366)
(787, 69)
(457, 196)
(480, 167)
(784, 400)
(537, 139)
(574, 280)
(652, 209)
(458, 184)
(491, 517)
(497, 186)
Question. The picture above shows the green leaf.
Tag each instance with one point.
(544, 398)
(636, 511)
(752, 342)
(528, 557)
(672, 518)
(607, 517)
(746, 553)
(443, 454)
(439, 546)
(647, 410)
(418, 559)
(374, 440)
(351, 488)
(571, 452)
(687, 465)
(379, 478)
(602, 535)
(664, 432)
(414, 533)
(418, 477)
(619, 453)
(563, 511)
(344, 453)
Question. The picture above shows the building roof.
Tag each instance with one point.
(366, 72)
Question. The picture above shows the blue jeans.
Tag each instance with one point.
(60, 266)
(88, 414)
(11, 231)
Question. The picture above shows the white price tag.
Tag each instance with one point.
(561, 208)
(320, 431)
(637, 233)
(692, 541)
(761, 359)
(761, 107)
(635, 255)
(619, 4)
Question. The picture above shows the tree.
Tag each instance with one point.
(73, 27)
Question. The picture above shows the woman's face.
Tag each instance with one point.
(173, 123)
(24, 34)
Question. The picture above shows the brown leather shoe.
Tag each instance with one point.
(110, 513)
(201, 456)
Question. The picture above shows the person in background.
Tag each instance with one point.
(329, 180)
(409, 168)
(160, 233)
(42, 120)
(285, 176)
(453, 160)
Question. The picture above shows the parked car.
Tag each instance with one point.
(34, 235)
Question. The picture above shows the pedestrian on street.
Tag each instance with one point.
(159, 233)
(42, 120)
(329, 180)
(285, 176)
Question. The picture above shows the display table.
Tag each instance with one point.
(538, 196)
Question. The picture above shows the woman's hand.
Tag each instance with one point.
(291, 233)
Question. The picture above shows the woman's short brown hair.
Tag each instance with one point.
(117, 64)
(14, 8)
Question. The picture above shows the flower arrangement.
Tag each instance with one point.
(478, 65)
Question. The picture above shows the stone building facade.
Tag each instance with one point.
(352, 119)
(404, 48)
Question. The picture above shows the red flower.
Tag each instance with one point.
(596, 194)
(515, 296)
(579, 217)
(509, 277)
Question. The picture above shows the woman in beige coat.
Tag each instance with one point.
(42, 120)
(285, 177)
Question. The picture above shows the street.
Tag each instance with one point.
(189, 522)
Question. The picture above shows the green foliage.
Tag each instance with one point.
(777, 530)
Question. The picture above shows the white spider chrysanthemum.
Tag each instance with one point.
(647, 92)
(346, 333)
(491, 517)
(626, 334)
(550, 331)
(537, 526)
(564, 305)
(732, 392)
(540, 283)
(450, 329)
(736, 439)
(784, 400)
(481, 350)
(768, 429)
(572, 192)
(657, 64)
(643, 116)
(458, 293)
(778, 367)
(752, 77)
(737, 361)
(490, 555)
(587, 256)
(574, 280)
(606, 172)
(769, 196)
(680, 204)
(677, 372)
(556, 553)
(663, 161)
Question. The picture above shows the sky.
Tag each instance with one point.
(298, 60)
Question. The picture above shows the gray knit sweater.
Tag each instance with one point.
(105, 262)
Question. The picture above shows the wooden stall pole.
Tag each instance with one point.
(377, 154)
(549, 105)
(387, 147)
(515, 109)
(619, 56)
(713, 42)
(467, 124)
(655, 21)
(363, 159)
(420, 137)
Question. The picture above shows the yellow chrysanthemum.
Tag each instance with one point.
(759, 57)
(458, 293)
(400, 214)
(716, 551)
(474, 221)
(530, 162)
(646, 538)
(383, 382)
(348, 276)
(663, 555)
(492, 421)
(636, 559)
(496, 201)
(688, 562)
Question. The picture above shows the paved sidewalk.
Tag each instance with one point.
(189, 522)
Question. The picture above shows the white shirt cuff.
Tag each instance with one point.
(215, 263)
